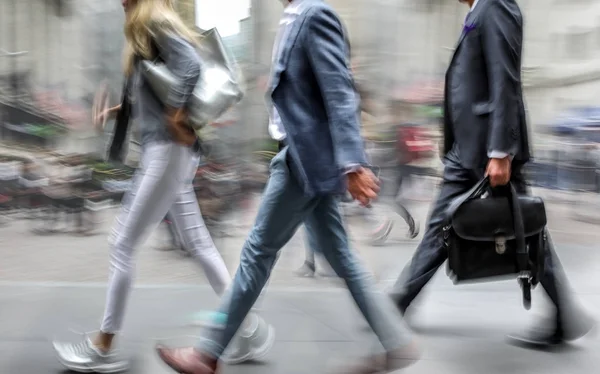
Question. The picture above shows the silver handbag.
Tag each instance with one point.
(218, 89)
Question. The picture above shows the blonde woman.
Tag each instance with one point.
(162, 183)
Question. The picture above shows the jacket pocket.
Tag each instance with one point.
(482, 108)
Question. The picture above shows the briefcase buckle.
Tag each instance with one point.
(500, 245)
(446, 230)
(446, 235)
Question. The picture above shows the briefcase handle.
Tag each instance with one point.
(476, 192)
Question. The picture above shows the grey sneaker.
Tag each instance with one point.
(413, 228)
(307, 270)
(382, 232)
(238, 351)
(83, 357)
(252, 343)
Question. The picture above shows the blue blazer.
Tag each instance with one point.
(313, 92)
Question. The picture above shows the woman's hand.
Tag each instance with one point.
(178, 125)
(107, 114)
(101, 111)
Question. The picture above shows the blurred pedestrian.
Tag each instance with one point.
(404, 174)
(379, 231)
(379, 228)
(162, 183)
(486, 133)
(313, 107)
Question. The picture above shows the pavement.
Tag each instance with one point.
(50, 285)
(460, 331)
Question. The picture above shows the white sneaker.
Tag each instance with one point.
(84, 357)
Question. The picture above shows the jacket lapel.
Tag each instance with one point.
(472, 21)
(282, 59)
(284, 53)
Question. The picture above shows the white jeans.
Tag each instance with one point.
(163, 183)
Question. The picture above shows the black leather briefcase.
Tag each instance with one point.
(496, 234)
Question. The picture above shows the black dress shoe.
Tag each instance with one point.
(537, 338)
(549, 334)
(399, 302)
(580, 325)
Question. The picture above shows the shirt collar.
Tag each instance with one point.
(295, 7)
(474, 4)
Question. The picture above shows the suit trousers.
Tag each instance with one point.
(284, 207)
(431, 254)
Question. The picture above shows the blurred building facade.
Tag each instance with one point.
(396, 43)
(66, 46)
(407, 40)
(562, 63)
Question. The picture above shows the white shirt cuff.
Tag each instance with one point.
(499, 154)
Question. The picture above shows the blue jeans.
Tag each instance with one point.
(283, 209)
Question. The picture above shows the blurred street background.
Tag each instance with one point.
(58, 197)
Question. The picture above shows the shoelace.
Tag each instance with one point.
(83, 348)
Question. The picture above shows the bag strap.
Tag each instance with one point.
(519, 227)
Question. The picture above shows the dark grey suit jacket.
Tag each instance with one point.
(483, 103)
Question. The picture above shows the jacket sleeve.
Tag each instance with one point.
(502, 37)
(183, 61)
(327, 53)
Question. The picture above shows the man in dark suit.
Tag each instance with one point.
(485, 133)
(314, 113)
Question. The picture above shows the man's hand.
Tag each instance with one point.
(179, 128)
(363, 185)
(498, 170)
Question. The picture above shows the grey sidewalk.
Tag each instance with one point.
(49, 284)
(462, 332)
(461, 327)
(66, 258)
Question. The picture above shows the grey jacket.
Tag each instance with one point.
(148, 111)
(313, 92)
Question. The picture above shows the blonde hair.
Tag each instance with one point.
(144, 20)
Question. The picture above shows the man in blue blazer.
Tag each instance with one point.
(314, 113)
